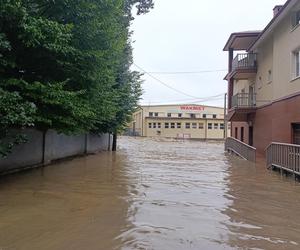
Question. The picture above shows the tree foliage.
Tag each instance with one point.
(65, 65)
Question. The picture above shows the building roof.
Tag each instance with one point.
(249, 40)
(273, 23)
(180, 104)
(241, 40)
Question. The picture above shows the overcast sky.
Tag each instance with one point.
(184, 36)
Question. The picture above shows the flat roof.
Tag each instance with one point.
(185, 104)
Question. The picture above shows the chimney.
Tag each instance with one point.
(276, 9)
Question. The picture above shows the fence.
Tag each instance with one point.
(240, 148)
(284, 156)
(42, 149)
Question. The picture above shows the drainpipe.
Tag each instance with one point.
(225, 122)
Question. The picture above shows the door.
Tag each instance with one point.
(242, 134)
(296, 133)
(251, 136)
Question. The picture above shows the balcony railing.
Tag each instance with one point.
(284, 156)
(244, 100)
(245, 61)
(240, 148)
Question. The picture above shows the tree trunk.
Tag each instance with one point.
(114, 143)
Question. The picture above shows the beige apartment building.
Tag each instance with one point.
(264, 80)
(179, 121)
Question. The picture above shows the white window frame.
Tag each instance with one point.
(295, 19)
(296, 64)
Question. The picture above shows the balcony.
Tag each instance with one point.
(244, 66)
(243, 104)
(244, 100)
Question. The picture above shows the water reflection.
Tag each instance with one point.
(264, 213)
(151, 194)
(73, 205)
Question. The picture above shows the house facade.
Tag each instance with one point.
(188, 121)
(264, 81)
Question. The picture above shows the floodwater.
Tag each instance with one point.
(151, 194)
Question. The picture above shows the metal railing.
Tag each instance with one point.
(245, 61)
(240, 148)
(244, 100)
(284, 156)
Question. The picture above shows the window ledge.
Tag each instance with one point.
(294, 79)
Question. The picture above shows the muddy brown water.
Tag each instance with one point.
(151, 194)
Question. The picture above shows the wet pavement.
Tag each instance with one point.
(151, 194)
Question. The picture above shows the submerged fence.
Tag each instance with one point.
(284, 156)
(240, 148)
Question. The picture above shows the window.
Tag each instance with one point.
(214, 116)
(222, 126)
(172, 125)
(159, 125)
(178, 125)
(296, 62)
(156, 114)
(259, 82)
(179, 115)
(296, 19)
(187, 125)
(201, 126)
(154, 125)
(194, 125)
(150, 125)
(204, 116)
(169, 114)
(209, 125)
(270, 76)
(192, 115)
(216, 126)
(150, 114)
(166, 125)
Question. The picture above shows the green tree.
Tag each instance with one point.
(69, 60)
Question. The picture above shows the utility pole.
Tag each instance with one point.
(225, 122)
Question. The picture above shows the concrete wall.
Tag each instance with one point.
(36, 151)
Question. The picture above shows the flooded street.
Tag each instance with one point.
(151, 194)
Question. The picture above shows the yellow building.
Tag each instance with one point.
(179, 121)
